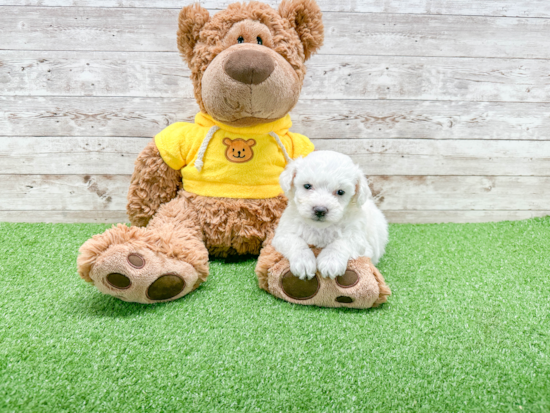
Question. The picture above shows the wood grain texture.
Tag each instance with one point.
(317, 119)
(419, 217)
(138, 74)
(438, 217)
(116, 156)
(482, 193)
(445, 104)
(64, 192)
(444, 157)
(393, 193)
(69, 155)
(147, 29)
(64, 217)
(520, 8)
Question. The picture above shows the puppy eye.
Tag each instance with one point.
(307, 186)
(240, 39)
(340, 192)
(259, 40)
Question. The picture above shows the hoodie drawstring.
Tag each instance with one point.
(285, 153)
(199, 163)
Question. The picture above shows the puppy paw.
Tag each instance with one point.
(303, 265)
(331, 264)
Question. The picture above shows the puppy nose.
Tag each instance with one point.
(250, 67)
(320, 211)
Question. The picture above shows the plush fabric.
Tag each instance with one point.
(370, 290)
(223, 174)
(237, 103)
(153, 183)
(211, 187)
(178, 241)
(202, 39)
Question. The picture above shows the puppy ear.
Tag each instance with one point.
(286, 179)
(305, 17)
(362, 190)
(190, 22)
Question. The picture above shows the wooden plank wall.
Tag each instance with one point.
(444, 103)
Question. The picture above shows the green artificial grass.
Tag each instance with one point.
(466, 329)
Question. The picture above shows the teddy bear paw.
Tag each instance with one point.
(331, 264)
(360, 286)
(141, 275)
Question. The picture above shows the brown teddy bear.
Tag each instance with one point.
(211, 187)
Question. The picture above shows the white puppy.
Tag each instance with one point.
(330, 206)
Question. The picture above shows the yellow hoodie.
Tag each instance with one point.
(224, 161)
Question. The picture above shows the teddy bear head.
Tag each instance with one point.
(247, 61)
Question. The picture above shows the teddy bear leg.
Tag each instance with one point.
(362, 285)
(162, 262)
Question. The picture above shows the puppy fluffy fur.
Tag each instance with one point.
(330, 206)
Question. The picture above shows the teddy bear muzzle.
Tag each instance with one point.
(246, 85)
(250, 67)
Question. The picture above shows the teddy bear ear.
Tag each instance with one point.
(306, 18)
(190, 22)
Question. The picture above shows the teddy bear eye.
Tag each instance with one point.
(240, 39)
(259, 40)
(307, 186)
(340, 192)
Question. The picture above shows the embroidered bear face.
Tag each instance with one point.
(239, 150)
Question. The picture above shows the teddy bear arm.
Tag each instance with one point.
(153, 183)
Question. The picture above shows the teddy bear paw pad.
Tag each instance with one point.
(299, 289)
(119, 281)
(348, 279)
(142, 276)
(165, 287)
(136, 261)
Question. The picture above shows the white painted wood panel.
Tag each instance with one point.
(116, 156)
(329, 77)
(419, 217)
(519, 8)
(150, 29)
(481, 193)
(444, 103)
(69, 155)
(393, 193)
(317, 119)
(66, 217)
(444, 157)
(64, 192)
(434, 217)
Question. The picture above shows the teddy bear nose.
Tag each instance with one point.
(250, 67)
